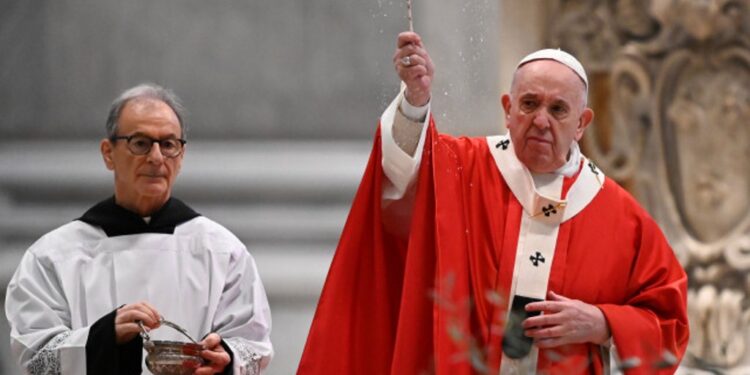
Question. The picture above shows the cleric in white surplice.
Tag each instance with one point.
(75, 300)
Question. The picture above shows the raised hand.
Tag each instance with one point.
(414, 67)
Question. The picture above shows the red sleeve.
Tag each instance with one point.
(356, 315)
(650, 331)
(373, 316)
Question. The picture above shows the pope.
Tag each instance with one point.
(510, 254)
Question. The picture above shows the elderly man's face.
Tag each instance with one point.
(545, 112)
(143, 183)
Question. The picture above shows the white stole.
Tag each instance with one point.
(543, 212)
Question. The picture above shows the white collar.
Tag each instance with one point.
(521, 181)
(569, 169)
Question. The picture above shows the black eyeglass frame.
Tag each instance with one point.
(151, 144)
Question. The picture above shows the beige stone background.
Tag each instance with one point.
(283, 98)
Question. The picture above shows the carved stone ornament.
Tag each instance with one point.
(671, 91)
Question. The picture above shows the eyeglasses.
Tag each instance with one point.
(141, 145)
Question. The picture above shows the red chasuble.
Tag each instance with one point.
(434, 300)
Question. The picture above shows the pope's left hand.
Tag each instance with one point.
(565, 321)
(214, 353)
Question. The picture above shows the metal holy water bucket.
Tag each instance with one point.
(171, 357)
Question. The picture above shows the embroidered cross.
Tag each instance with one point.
(549, 210)
(536, 259)
(593, 168)
(504, 144)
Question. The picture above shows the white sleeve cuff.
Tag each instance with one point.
(399, 167)
(416, 114)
